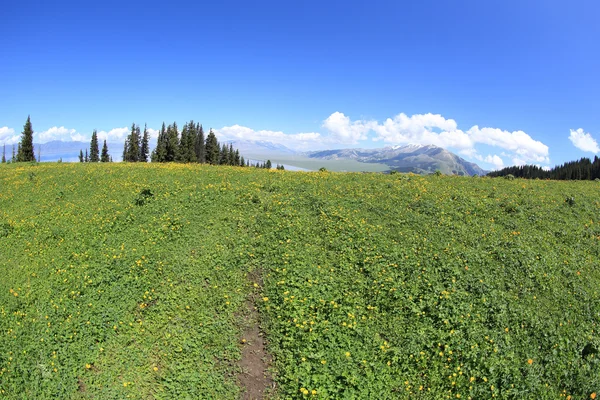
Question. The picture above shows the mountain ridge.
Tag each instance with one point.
(417, 158)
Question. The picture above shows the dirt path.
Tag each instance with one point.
(254, 376)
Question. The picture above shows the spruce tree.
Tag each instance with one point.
(80, 155)
(105, 157)
(132, 153)
(224, 155)
(212, 148)
(94, 150)
(13, 159)
(4, 154)
(242, 162)
(268, 164)
(200, 145)
(144, 148)
(86, 159)
(160, 151)
(25, 152)
(172, 146)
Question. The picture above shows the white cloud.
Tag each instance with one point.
(584, 141)
(8, 136)
(344, 131)
(517, 141)
(114, 135)
(298, 140)
(153, 133)
(57, 133)
(496, 161)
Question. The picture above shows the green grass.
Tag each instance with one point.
(374, 286)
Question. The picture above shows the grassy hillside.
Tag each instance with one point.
(129, 281)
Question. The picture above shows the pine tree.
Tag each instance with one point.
(13, 159)
(212, 148)
(94, 150)
(132, 153)
(144, 148)
(25, 152)
(172, 146)
(159, 153)
(200, 145)
(80, 155)
(105, 157)
(86, 159)
(4, 154)
(268, 164)
(224, 155)
(242, 162)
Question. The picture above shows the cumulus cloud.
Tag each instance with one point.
(584, 141)
(58, 133)
(298, 140)
(495, 160)
(517, 141)
(114, 135)
(153, 133)
(342, 130)
(8, 136)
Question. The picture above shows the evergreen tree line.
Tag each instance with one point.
(95, 155)
(583, 169)
(191, 146)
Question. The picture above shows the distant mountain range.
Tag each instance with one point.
(416, 158)
(420, 159)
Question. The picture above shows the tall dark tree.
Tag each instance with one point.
(80, 155)
(159, 154)
(268, 164)
(86, 159)
(187, 144)
(133, 144)
(13, 159)
(105, 157)
(172, 143)
(212, 148)
(25, 152)
(144, 147)
(200, 145)
(4, 154)
(94, 149)
(224, 155)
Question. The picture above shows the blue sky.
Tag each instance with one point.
(499, 82)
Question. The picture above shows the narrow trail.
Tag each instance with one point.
(254, 376)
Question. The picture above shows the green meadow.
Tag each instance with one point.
(131, 280)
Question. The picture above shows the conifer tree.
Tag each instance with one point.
(105, 157)
(224, 155)
(94, 150)
(39, 156)
(160, 151)
(25, 152)
(242, 162)
(13, 159)
(86, 159)
(132, 153)
(172, 143)
(4, 154)
(144, 148)
(212, 148)
(268, 164)
(200, 145)
(80, 155)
